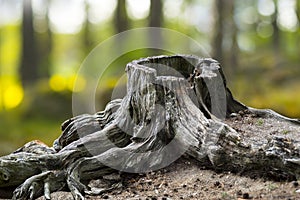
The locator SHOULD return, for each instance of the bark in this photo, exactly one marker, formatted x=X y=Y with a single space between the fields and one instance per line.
x=175 y=106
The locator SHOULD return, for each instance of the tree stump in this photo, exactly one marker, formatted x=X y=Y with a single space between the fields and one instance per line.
x=174 y=106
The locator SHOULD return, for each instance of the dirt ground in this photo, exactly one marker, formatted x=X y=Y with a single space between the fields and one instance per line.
x=185 y=179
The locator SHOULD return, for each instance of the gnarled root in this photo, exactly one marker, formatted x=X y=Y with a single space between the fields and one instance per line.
x=41 y=184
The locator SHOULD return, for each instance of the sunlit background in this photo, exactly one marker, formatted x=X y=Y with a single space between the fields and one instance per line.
x=44 y=42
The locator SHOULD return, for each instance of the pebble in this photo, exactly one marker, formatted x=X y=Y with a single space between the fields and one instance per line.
x=246 y=196
x=217 y=184
x=295 y=183
x=233 y=115
x=239 y=193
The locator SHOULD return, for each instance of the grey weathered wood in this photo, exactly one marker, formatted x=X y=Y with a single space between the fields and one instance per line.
x=167 y=112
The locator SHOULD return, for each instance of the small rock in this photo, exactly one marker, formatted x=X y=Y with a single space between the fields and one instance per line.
x=233 y=115
x=217 y=184
x=239 y=193
x=246 y=196
x=295 y=183
x=149 y=182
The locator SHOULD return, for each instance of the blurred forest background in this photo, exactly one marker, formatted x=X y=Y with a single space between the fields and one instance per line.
x=44 y=42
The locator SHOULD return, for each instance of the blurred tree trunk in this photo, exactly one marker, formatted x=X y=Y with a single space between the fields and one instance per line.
x=29 y=58
x=225 y=30
x=87 y=38
x=156 y=20
x=121 y=23
x=298 y=10
x=121 y=19
x=156 y=13
x=276 y=34
x=217 y=41
x=234 y=53
x=45 y=46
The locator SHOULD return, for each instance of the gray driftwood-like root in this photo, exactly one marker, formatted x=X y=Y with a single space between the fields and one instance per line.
x=175 y=105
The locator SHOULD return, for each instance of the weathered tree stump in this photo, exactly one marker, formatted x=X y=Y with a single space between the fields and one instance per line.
x=175 y=105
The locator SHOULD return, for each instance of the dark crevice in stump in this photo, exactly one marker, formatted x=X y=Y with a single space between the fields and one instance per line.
x=174 y=106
